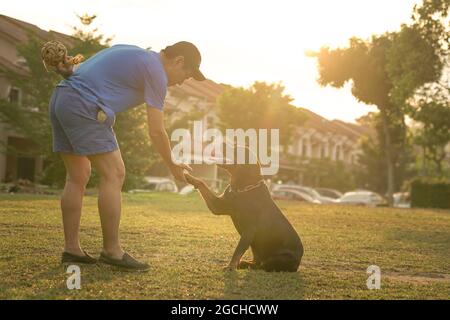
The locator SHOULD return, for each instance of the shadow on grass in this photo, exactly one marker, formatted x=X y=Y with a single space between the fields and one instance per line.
x=56 y=276
x=420 y=236
x=258 y=284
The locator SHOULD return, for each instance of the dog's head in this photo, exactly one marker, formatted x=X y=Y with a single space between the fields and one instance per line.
x=243 y=168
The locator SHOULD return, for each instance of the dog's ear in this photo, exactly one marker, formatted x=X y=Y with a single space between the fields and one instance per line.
x=226 y=145
x=248 y=173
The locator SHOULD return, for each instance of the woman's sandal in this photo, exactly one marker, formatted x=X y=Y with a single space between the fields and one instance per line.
x=127 y=263
x=73 y=258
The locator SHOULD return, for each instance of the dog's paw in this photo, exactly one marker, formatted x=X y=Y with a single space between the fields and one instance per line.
x=246 y=265
x=192 y=180
x=229 y=268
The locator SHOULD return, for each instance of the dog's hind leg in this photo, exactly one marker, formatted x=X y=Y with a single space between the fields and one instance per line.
x=281 y=263
x=249 y=265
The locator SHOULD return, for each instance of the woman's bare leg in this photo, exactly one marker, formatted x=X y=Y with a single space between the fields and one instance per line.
x=78 y=171
x=111 y=170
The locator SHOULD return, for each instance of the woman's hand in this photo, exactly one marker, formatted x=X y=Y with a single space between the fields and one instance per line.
x=64 y=69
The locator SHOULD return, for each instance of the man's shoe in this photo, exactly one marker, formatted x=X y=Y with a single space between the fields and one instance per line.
x=127 y=262
x=73 y=258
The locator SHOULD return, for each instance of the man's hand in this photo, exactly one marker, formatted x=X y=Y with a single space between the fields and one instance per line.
x=160 y=140
x=177 y=171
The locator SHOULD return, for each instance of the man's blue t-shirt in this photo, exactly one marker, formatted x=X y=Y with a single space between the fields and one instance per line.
x=121 y=77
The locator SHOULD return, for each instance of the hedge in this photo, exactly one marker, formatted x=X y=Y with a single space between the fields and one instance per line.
x=430 y=194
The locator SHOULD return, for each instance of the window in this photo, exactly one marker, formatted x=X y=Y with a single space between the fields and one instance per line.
x=326 y=193
x=14 y=95
x=150 y=186
x=209 y=121
x=354 y=197
x=21 y=62
x=299 y=197
x=304 y=149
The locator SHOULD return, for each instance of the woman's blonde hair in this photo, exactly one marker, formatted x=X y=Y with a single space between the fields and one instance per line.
x=54 y=52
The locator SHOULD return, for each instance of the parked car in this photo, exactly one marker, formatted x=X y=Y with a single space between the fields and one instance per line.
x=286 y=194
x=309 y=191
x=330 y=193
x=187 y=190
x=156 y=184
x=402 y=200
x=362 y=198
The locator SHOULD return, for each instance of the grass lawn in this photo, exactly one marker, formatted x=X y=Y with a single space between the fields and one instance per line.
x=187 y=247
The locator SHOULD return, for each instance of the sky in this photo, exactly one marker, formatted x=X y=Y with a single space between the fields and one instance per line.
x=241 y=41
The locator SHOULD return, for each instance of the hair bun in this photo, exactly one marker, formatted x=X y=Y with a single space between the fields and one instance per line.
x=54 y=52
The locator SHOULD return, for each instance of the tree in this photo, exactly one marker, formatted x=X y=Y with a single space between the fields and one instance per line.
x=412 y=61
x=419 y=52
x=433 y=112
x=371 y=170
x=432 y=20
x=387 y=70
x=364 y=64
x=429 y=104
x=262 y=106
x=330 y=174
x=31 y=117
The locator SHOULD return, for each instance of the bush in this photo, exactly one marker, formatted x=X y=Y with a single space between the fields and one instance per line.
x=430 y=194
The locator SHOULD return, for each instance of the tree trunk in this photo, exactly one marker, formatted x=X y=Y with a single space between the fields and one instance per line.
x=439 y=167
x=389 y=162
x=424 y=159
x=438 y=161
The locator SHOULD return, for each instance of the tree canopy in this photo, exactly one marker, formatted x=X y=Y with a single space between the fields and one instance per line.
x=262 y=106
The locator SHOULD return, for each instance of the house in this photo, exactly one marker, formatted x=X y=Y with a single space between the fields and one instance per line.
x=19 y=164
x=319 y=138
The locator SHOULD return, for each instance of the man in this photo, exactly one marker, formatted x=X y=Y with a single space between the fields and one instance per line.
x=82 y=113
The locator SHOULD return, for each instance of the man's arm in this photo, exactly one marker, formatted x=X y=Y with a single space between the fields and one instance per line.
x=159 y=138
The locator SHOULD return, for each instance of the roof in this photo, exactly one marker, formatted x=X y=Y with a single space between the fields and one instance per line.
x=208 y=89
x=355 y=128
x=17 y=30
x=322 y=124
x=8 y=65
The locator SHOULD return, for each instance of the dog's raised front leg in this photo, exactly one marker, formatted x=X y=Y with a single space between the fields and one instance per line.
x=217 y=205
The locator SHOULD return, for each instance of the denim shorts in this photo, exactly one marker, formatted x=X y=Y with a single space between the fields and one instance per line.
x=77 y=126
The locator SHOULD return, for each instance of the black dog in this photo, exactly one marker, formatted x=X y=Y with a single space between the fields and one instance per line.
x=262 y=226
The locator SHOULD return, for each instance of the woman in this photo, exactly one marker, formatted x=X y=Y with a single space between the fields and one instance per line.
x=82 y=112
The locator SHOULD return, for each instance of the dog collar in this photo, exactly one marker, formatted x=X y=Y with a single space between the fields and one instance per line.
x=250 y=187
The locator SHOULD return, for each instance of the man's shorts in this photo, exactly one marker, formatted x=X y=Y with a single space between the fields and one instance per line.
x=80 y=127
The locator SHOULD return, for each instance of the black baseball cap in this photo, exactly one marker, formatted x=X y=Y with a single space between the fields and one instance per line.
x=192 y=57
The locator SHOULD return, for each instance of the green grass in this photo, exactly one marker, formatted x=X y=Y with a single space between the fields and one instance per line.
x=187 y=247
